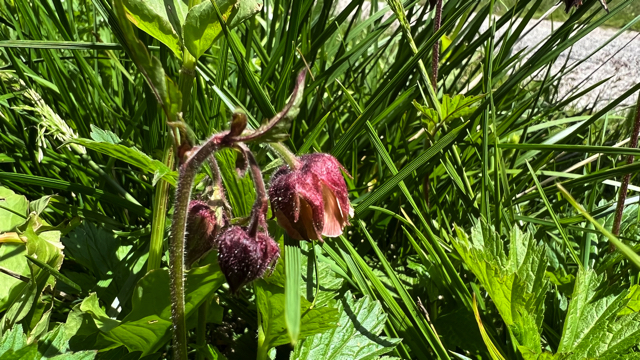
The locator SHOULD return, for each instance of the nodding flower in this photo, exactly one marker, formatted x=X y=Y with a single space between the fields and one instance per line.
x=311 y=200
x=203 y=226
x=244 y=258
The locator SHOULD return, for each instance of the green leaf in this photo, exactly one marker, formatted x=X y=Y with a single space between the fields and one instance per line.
x=12 y=258
x=130 y=155
x=13 y=210
x=271 y=300
x=52 y=345
x=356 y=337
x=515 y=282
x=201 y=27
x=452 y=108
x=106 y=136
x=146 y=327
x=593 y=327
x=292 y=256
x=164 y=89
x=245 y=9
x=156 y=19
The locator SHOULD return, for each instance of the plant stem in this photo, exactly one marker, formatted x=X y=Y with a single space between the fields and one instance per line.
x=263 y=346
x=160 y=204
x=259 y=211
x=435 y=57
x=201 y=330
x=185 y=80
x=622 y=195
x=187 y=174
x=286 y=155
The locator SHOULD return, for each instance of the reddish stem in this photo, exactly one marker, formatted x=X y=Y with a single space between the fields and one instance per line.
x=622 y=195
x=435 y=57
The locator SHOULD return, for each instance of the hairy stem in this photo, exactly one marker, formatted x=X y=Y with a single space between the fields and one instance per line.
x=435 y=57
x=622 y=195
x=187 y=174
x=259 y=211
x=217 y=181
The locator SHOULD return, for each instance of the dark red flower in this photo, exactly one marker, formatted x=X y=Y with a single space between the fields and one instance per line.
x=202 y=228
x=313 y=200
x=244 y=258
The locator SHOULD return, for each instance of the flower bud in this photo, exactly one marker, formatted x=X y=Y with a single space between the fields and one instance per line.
x=202 y=229
x=243 y=258
x=313 y=200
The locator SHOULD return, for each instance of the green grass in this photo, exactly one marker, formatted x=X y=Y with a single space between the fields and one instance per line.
x=452 y=247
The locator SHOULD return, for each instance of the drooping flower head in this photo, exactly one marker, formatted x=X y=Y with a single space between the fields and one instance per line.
x=244 y=258
x=311 y=200
x=203 y=226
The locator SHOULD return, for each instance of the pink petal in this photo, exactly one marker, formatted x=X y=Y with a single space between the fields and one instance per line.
x=333 y=220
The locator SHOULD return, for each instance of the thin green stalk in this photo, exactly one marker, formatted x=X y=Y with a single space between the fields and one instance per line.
x=185 y=80
x=160 y=207
x=287 y=156
x=201 y=329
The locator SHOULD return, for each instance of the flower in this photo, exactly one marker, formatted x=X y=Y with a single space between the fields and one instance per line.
x=311 y=200
x=202 y=230
x=244 y=258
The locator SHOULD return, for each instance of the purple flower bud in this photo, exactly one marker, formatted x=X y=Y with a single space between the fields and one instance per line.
x=202 y=229
x=244 y=258
x=313 y=200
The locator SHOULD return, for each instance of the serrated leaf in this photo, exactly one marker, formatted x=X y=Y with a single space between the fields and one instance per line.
x=452 y=108
x=201 y=27
x=52 y=345
x=271 y=299
x=14 y=209
x=131 y=156
x=156 y=19
x=593 y=327
x=356 y=337
x=515 y=282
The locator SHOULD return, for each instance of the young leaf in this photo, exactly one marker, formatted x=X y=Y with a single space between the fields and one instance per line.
x=13 y=209
x=452 y=107
x=271 y=300
x=201 y=27
x=594 y=328
x=515 y=282
x=356 y=337
x=155 y=18
x=131 y=155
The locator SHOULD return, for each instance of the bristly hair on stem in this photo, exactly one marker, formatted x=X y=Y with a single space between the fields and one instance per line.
x=435 y=57
x=622 y=195
x=261 y=205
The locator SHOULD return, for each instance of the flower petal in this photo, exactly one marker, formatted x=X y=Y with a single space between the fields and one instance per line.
x=333 y=220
